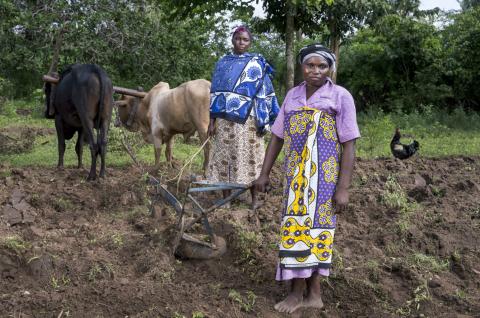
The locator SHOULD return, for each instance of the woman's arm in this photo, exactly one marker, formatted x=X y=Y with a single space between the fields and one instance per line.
x=271 y=154
x=340 y=198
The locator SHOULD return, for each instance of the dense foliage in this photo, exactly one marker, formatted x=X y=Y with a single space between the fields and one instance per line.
x=132 y=39
x=392 y=55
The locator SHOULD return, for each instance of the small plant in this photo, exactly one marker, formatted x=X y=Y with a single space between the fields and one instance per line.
x=247 y=242
x=117 y=240
x=62 y=204
x=373 y=269
x=56 y=283
x=421 y=294
x=394 y=197
x=198 y=314
x=436 y=191
x=16 y=244
x=392 y=248
x=245 y=304
x=100 y=270
x=93 y=273
x=427 y=263
x=177 y=315
x=337 y=260
x=461 y=294
x=35 y=200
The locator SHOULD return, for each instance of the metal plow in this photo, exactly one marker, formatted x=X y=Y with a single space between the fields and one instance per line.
x=197 y=246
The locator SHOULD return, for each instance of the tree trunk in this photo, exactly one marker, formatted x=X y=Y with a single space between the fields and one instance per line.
x=56 y=51
x=334 y=44
x=336 y=49
x=298 y=69
x=289 y=44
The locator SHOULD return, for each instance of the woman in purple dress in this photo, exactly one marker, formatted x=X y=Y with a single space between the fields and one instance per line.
x=317 y=127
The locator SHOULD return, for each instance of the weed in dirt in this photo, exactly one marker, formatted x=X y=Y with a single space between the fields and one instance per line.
x=461 y=294
x=35 y=200
x=198 y=314
x=245 y=303
x=421 y=294
x=59 y=282
x=337 y=262
x=15 y=244
x=438 y=192
x=177 y=315
x=392 y=248
x=163 y=274
x=427 y=263
x=373 y=269
x=394 y=197
x=62 y=204
x=93 y=273
x=246 y=243
x=99 y=271
x=117 y=240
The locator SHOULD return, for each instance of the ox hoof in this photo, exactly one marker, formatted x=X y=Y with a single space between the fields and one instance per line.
x=60 y=168
x=91 y=178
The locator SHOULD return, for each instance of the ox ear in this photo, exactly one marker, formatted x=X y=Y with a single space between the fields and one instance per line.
x=120 y=103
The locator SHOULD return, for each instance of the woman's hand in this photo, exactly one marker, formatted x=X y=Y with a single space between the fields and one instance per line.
x=211 y=128
x=262 y=184
x=340 y=200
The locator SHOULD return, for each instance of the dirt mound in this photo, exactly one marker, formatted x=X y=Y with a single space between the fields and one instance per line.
x=408 y=246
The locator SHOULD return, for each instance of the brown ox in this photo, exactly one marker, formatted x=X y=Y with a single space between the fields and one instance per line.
x=165 y=112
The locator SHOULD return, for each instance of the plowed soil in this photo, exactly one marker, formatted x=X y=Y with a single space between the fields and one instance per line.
x=407 y=246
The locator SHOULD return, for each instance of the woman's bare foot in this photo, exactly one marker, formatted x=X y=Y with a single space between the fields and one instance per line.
x=289 y=304
x=313 y=300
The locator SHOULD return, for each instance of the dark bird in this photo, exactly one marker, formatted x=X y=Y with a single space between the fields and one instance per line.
x=400 y=150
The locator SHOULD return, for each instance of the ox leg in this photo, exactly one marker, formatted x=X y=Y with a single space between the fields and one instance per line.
x=102 y=141
x=88 y=130
x=168 y=150
x=157 y=143
x=79 y=148
x=61 y=140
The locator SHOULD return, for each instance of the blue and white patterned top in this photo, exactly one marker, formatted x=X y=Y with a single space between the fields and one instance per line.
x=240 y=83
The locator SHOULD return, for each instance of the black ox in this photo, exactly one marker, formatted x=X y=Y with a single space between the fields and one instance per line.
x=81 y=101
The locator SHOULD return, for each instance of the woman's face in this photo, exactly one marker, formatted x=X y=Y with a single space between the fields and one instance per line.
x=315 y=71
x=241 y=42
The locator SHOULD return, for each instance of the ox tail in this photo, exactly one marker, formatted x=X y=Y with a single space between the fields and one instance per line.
x=101 y=79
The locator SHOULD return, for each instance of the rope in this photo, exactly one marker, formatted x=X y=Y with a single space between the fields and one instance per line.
x=189 y=162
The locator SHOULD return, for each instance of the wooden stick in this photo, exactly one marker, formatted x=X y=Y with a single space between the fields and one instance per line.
x=116 y=89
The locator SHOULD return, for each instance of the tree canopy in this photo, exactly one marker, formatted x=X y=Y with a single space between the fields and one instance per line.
x=392 y=54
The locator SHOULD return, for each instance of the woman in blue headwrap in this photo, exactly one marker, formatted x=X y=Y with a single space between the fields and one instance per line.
x=243 y=105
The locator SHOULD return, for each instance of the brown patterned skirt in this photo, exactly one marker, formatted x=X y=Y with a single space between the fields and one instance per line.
x=237 y=153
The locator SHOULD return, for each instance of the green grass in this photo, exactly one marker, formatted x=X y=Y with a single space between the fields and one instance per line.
x=9 y=117
x=45 y=152
x=439 y=133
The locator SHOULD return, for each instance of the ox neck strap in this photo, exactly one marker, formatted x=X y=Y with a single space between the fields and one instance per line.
x=133 y=112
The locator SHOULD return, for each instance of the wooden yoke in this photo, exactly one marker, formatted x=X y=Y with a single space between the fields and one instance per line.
x=116 y=89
